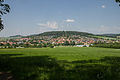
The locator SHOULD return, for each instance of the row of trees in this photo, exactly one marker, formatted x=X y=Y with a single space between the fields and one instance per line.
x=37 y=45
x=26 y=45
x=107 y=45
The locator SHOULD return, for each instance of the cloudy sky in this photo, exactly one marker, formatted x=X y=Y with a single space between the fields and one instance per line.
x=37 y=16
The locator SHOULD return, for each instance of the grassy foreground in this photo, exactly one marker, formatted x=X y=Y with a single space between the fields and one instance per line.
x=62 y=63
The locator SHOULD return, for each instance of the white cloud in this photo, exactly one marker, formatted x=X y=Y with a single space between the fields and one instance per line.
x=53 y=25
x=103 y=6
x=69 y=20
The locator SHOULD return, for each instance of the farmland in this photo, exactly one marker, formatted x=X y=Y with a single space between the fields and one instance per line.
x=61 y=63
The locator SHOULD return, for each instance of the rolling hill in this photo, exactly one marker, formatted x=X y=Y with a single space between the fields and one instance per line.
x=63 y=33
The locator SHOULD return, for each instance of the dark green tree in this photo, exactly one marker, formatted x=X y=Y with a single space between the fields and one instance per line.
x=118 y=1
x=51 y=45
x=4 y=9
x=66 y=43
x=39 y=46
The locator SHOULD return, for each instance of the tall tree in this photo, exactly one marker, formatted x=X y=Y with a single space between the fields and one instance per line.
x=118 y=1
x=4 y=9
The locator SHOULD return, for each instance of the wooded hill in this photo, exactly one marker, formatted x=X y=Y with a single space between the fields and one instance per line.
x=109 y=35
x=70 y=33
x=63 y=33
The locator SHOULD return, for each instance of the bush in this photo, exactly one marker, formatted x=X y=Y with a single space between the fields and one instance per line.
x=107 y=45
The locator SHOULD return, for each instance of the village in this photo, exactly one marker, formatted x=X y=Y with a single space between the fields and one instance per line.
x=50 y=41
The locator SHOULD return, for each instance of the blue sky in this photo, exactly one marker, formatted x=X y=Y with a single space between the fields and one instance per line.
x=37 y=16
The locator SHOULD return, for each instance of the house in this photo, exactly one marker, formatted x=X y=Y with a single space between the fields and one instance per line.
x=82 y=45
x=79 y=45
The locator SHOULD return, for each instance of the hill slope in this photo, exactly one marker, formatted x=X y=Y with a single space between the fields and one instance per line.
x=109 y=35
x=62 y=33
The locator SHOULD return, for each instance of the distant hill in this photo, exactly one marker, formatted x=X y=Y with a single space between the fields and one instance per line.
x=16 y=36
x=109 y=35
x=68 y=33
x=63 y=33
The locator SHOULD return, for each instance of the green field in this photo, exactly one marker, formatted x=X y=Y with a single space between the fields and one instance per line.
x=103 y=37
x=61 y=63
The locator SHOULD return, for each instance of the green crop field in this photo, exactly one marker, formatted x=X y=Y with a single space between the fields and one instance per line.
x=61 y=63
x=103 y=37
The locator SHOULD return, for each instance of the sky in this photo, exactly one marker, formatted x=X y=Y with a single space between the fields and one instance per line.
x=29 y=17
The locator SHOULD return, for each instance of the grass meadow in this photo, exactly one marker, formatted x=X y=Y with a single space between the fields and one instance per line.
x=61 y=63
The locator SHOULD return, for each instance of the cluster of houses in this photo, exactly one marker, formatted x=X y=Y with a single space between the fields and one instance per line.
x=77 y=41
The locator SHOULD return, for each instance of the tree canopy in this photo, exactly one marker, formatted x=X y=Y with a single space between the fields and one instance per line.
x=118 y=1
x=4 y=9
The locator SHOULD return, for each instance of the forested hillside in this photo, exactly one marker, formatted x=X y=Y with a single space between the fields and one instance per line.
x=63 y=33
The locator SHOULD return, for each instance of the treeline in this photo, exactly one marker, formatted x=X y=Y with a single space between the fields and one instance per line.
x=62 y=33
x=107 y=45
x=109 y=35
x=38 y=45
x=26 y=45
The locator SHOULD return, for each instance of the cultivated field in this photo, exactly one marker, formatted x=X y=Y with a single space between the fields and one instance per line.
x=61 y=63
